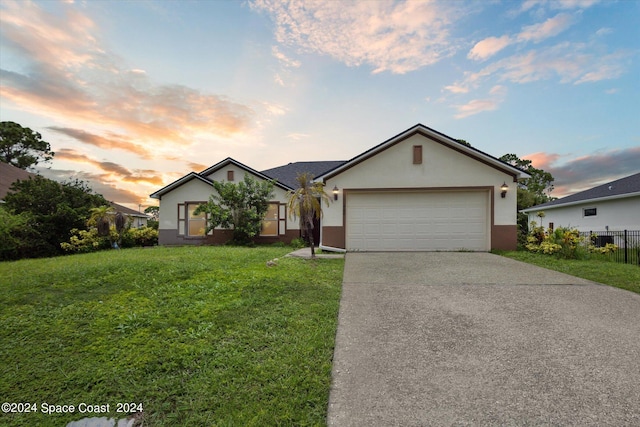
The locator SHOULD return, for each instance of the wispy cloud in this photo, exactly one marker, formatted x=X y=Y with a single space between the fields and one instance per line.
x=389 y=36
x=549 y=28
x=536 y=33
x=113 y=172
x=95 y=182
x=497 y=95
x=68 y=73
x=108 y=142
x=570 y=62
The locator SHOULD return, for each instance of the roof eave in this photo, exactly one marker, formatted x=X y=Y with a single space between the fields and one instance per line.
x=434 y=135
x=228 y=160
x=177 y=183
x=581 y=202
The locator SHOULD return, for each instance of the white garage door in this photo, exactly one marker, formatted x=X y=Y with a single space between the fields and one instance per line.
x=417 y=221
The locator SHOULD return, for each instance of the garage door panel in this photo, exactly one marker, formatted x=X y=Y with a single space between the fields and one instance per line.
x=417 y=221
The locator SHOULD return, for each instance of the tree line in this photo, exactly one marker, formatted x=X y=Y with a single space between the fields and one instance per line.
x=38 y=215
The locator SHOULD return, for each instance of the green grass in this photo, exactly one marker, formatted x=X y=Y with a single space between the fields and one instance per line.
x=201 y=336
x=598 y=269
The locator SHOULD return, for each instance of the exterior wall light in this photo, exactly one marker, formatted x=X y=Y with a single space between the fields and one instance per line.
x=503 y=189
x=335 y=192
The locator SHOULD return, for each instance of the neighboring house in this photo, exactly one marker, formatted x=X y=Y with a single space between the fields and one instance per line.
x=8 y=175
x=614 y=206
x=137 y=219
x=420 y=190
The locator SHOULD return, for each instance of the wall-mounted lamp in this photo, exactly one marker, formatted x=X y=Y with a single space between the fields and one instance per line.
x=503 y=189
x=335 y=192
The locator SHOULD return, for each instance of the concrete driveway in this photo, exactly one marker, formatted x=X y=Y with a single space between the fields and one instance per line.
x=430 y=339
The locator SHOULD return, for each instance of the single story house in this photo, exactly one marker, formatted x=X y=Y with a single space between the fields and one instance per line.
x=137 y=219
x=417 y=191
x=614 y=206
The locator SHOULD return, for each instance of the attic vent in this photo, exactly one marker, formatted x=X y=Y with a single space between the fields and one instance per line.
x=229 y=176
x=417 y=154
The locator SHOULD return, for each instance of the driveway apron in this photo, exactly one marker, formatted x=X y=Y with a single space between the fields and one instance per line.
x=477 y=339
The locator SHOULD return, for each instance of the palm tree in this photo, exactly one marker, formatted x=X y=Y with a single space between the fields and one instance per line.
x=306 y=203
x=101 y=218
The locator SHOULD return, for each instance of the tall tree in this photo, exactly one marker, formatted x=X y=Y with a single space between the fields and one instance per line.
x=306 y=203
x=240 y=206
x=535 y=190
x=22 y=147
x=531 y=191
x=53 y=208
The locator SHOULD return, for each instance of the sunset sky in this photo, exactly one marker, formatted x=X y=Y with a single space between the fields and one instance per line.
x=134 y=94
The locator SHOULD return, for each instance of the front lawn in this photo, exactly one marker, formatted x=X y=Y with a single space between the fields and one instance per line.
x=625 y=276
x=199 y=336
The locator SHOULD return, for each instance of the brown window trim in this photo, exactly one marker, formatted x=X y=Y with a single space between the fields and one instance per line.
x=183 y=209
x=276 y=220
x=229 y=175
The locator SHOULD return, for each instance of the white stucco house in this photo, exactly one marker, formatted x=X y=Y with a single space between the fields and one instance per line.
x=417 y=191
x=614 y=206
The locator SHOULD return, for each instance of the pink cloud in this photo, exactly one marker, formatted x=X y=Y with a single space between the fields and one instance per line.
x=489 y=47
x=549 y=28
x=389 y=36
x=70 y=75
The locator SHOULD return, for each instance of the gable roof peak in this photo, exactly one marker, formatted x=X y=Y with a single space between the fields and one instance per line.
x=434 y=135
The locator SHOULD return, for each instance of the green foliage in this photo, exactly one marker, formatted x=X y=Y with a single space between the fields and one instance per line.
x=22 y=147
x=565 y=243
x=531 y=191
x=144 y=236
x=53 y=209
x=202 y=336
x=298 y=243
x=17 y=236
x=306 y=203
x=154 y=211
x=240 y=206
x=83 y=241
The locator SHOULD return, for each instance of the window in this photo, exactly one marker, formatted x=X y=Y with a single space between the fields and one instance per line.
x=270 y=221
x=417 y=154
x=589 y=212
x=197 y=223
x=190 y=224
x=550 y=226
x=229 y=176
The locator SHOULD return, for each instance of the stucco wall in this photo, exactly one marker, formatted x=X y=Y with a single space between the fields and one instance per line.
x=196 y=190
x=192 y=191
x=617 y=214
x=442 y=167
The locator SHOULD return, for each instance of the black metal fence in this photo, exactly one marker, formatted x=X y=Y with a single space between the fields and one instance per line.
x=628 y=242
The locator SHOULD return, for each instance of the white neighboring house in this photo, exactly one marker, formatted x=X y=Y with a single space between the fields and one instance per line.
x=614 y=206
x=138 y=219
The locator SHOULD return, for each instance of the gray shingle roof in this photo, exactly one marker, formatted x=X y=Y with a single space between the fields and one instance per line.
x=287 y=174
x=619 y=187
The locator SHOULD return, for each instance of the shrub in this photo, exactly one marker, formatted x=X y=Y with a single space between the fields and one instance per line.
x=83 y=241
x=143 y=236
x=298 y=242
x=564 y=242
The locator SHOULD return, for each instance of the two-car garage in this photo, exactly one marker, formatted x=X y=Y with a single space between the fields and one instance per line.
x=419 y=220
